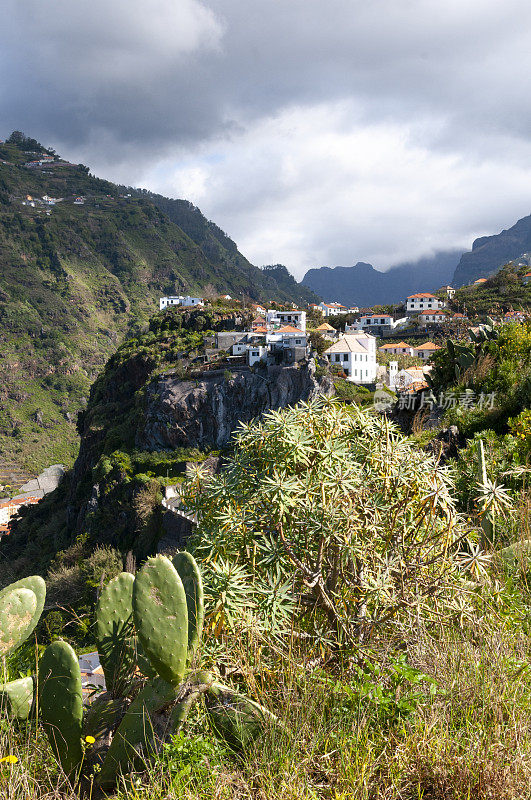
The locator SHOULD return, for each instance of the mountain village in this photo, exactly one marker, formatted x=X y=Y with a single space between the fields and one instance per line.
x=370 y=347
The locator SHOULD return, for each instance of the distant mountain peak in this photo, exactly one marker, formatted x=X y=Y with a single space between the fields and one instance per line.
x=364 y=285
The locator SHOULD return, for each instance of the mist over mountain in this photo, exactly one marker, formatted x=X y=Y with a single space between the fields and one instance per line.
x=363 y=285
x=489 y=253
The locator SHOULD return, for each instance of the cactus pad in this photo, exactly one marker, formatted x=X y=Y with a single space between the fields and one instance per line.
x=133 y=739
x=21 y=606
x=236 y=718
x=61 y=703
x=103 y=715
x=196 y=684
x=18 y=697
x=161 y=617
x=115 y=633
x=186 y=566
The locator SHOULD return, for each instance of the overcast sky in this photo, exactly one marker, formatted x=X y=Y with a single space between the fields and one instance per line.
x=315 y=132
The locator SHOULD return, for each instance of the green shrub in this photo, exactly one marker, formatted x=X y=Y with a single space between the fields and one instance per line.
x=328 y=506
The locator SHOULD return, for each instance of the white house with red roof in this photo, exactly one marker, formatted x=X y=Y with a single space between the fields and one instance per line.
x=332 y=309
x=431 y=316
x=288 y=335
x=527 y=278
x=294 y=317
x=397 y=349
x=426 y=350
x=369 y=320
x=423 y=301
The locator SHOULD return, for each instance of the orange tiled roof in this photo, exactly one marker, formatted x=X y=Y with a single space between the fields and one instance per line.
x=288 y=329
x=428 y=346
x=421 y=294
x=398 y=344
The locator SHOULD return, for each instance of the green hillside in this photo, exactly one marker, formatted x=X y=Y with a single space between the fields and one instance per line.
x=504 y=291
x=74 y=277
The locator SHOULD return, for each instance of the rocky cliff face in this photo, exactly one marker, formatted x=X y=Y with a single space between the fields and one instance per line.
x=206 y=412
x=489 y=253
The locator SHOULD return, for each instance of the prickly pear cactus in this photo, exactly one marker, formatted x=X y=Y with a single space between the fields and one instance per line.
x=161 y=617
x=21 y=606
x=16 y=697
x=236 y=718
x=131 y=744
x=103 y=715
x=61 y=703
x=186 y=566
x=115 y=634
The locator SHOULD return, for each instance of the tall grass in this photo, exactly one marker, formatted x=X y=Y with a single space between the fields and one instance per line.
x=470 y=738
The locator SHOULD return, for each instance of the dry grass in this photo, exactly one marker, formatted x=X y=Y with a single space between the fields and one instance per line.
x=470 y=741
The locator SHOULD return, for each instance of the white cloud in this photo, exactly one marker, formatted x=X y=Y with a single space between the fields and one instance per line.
x=311 y=187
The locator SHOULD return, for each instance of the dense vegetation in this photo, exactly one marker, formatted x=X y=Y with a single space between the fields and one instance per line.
x=129 y=482
x=345 y=591
x=504 y=291
x=75 y=278
x=370 y=590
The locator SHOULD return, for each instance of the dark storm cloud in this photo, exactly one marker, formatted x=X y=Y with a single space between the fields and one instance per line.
x=232 y=103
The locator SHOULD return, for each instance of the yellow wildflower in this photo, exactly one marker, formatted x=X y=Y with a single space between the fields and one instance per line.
x=8 y=760
x=90 y=739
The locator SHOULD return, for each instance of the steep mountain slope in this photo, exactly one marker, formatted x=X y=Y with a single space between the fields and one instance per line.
x=152 y=410
x=274 y=282
x=490 y=252
x=363 y=285
x=75 y=276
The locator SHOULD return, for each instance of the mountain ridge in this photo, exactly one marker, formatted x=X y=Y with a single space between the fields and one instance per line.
x=363 y=285
x=489 y=253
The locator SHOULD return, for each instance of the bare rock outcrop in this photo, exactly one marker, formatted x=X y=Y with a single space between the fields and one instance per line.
x=206 y=411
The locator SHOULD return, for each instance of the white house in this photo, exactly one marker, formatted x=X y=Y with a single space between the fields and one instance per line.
x=294 y=318
x=426 y=350
x=370 y=320
x=50 y=201
x=411 y=377
x=255 y=353
x=356 y=355
x=332 y=309
x=288 y=336
x=397 y=349
x=180 y=300
x=431 y=316
x=423 y=301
